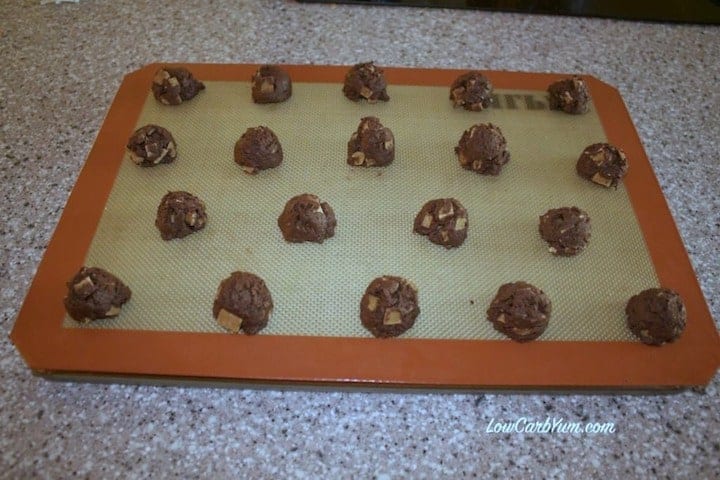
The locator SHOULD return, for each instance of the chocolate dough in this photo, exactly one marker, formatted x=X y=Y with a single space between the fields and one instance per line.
x=306 y=219
x=389 y=306
x=94 y=293
x=372 y=145
x=520 y=310
x=180 y=214
x=365 y=81
x=151 y=145
x=482 y=149
x=173 y=86
x=242 y=302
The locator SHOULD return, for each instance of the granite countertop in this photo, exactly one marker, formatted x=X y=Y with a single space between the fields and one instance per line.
x=63 y=63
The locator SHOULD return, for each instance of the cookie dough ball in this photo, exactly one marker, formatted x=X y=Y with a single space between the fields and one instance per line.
x=389 y=307
x=173 y=86
x=372 y=145
x=444 y=221
x=94 y=293
x=271 y=84
x=365 y=81
x=242 y=302
x=520 y=310
x=566 y=230
x=180 y=214
x=656 y=316
x=472 y=91
x=482 y=149
x=258 y=149
x=569 y=95
x=603 y=164
x=151 y=145
x=307 y=219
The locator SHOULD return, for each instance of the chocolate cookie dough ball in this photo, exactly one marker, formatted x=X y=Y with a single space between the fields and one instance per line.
x=173 y=86
x=307 y=219
x=389 y=306
x=151 y=145
x=372 y=145
x=482 y=149
x=566 y=230
x=656 y=315
x=365 y=81
x=603 y=164
x=520 y=310
x=258 y=149
x=94 y=293
x=444 y=221
x=472 y=91
x=243 y=302
x=180 y=214
x=569 y=95
x=271 y=84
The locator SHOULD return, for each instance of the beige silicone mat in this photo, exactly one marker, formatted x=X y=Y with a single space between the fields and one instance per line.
x=317 y=288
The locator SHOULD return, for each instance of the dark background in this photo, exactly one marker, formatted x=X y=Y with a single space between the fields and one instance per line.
x=684 y=11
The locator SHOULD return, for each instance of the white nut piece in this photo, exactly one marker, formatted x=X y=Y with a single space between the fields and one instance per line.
x=372 y=302
x=113 y=311
x=601 y=180
x=133 y=157
x=161 y=76
x=229 y=321
x=392 y=317
x=598 y=158
x=445 y=211
x=162 y=155
x=365 y=92
x=84 y=284
x=358 y=158
x=267 y=86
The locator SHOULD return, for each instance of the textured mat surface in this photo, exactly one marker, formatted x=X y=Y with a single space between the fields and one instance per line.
x=317 y=288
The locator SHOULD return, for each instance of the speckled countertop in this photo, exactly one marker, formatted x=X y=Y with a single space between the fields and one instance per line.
x=61 y=66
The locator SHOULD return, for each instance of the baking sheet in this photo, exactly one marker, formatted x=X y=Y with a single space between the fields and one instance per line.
x=316 y=288
x=176 y=344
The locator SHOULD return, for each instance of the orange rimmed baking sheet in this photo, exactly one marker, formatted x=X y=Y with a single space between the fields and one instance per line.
x=403 y=361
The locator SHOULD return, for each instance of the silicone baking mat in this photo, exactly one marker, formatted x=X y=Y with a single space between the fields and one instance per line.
x=317 y=288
